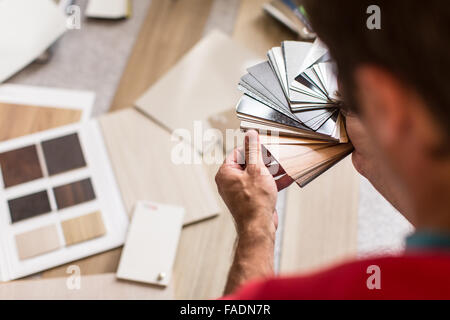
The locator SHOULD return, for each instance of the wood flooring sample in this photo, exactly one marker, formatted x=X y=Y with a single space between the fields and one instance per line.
x=74 y=193
x=63 y=154
x=83 y=228
x=20 y=166
x=202 y=84
x=93 y=287
x=29 y=206
x=37 y=242
x=141 y=156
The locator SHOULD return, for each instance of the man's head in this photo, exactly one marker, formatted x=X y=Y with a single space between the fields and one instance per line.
x=397 y=79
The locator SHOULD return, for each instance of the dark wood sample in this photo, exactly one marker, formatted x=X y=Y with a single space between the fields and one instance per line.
x=74 y=193
x=29 y=206
x=20 y=166
x=63 y=154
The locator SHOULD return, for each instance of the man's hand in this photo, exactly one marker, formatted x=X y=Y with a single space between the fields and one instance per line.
x=248 y=189
x=250 y=193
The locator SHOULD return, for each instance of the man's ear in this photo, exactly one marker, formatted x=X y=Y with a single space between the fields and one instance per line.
x=394 y=112
x=383 y=101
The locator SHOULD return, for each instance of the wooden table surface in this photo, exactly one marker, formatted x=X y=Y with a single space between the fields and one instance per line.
x=319 y=231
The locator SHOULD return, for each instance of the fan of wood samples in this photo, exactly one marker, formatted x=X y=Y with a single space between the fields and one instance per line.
x=293 y=101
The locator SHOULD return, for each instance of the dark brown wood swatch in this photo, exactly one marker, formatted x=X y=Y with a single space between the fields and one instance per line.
x=63 y=154
x=29 y=206
x=74 y=193
x=20 y=166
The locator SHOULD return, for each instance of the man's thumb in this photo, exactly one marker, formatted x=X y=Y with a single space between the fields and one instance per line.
x=252 y=148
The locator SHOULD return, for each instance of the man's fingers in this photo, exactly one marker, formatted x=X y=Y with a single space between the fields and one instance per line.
x=236 y=158
x=252 y=148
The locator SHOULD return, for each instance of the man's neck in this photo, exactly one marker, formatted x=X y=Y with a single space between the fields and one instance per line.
x=432 y=200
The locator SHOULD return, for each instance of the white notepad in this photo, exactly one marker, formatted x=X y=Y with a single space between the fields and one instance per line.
x=27 y=29
x=151 y=245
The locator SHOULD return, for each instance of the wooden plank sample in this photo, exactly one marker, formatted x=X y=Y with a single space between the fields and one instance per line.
x=74 y=193
x=36 y=242
x=105 y=262
x=29 y=206
x=201 y=85
x=162 y=41
x=63 y=154
x=92 y=287
x=19 y=120
x=320 y=225
x=257 y=30
x=83 y=228
x=205 y=254
x=298 y=160
x=142 y=159
x=20 y=165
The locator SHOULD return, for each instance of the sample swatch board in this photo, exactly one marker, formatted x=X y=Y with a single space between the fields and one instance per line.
x=27 y=29
x=59 y=200
x=293 y=101
x=200 y=86
x=150 y=249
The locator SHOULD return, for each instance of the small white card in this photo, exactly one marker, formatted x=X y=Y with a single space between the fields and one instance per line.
x=151 y=245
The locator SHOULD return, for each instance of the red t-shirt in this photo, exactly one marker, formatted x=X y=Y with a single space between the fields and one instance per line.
x=409 y=276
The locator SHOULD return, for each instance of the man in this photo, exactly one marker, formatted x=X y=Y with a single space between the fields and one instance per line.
x=396 y=88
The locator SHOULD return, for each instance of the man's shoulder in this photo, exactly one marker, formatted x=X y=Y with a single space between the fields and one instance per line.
x=409 y=276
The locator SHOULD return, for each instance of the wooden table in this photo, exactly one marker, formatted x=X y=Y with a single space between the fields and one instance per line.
x=318 y=232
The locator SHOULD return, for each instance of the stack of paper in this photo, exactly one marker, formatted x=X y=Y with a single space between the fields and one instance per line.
x=292 y=100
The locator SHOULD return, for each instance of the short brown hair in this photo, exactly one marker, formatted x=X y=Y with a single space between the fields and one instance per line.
x=413 y=43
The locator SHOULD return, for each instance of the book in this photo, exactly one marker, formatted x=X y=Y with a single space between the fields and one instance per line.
x=108 y=9
x=293 y=100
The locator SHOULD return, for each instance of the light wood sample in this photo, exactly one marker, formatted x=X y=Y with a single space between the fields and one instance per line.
x=205 y=254
x=141 y=156
x=201 y=85
x=162 y=41
x=298 y=160
x=18 y=120
x=92 y=287
x=257 y=30
x=83 y=228
x=320 y=225
x=37 y=242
